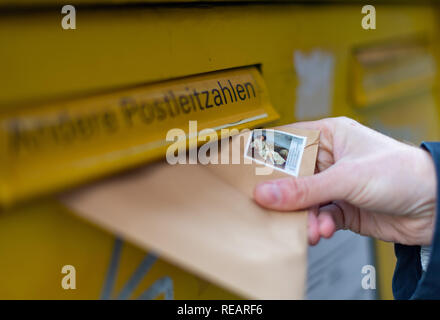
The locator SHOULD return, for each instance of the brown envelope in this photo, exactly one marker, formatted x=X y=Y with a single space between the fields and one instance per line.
x=204 y=219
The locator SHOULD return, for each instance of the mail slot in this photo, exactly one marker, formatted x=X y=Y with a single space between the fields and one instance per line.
x=72 y=141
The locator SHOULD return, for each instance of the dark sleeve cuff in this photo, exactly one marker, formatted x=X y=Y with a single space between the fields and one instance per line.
x=409 y=282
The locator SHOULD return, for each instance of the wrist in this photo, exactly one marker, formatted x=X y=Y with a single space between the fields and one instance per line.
x=425 y=169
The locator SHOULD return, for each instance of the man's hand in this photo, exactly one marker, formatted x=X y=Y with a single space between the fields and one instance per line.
x=365 y=181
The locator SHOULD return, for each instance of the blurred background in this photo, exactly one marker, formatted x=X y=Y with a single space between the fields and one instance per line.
x=316 y=60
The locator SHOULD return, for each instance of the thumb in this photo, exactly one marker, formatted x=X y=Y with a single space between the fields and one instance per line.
x=290 y=194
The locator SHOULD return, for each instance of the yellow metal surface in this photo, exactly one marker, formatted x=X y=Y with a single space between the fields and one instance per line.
x=122 y=47
x=38 y=3
x=386 y=260
x=391 y=70
x=38 y=239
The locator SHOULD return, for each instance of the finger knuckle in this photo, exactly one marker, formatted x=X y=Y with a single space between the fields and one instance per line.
x=299 y=192
x=343 y=120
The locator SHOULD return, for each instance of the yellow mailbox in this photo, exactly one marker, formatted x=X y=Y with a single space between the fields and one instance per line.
x=312 y=60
